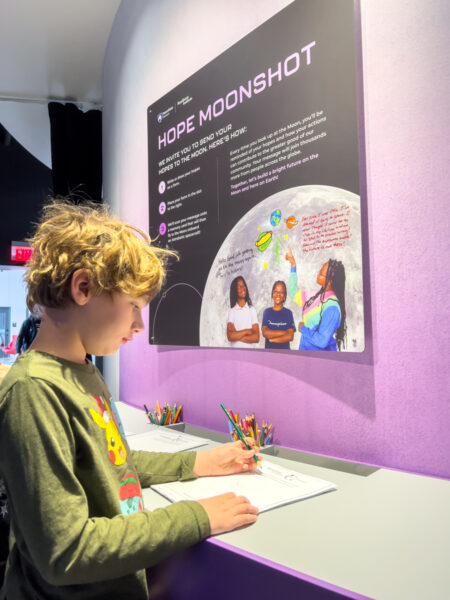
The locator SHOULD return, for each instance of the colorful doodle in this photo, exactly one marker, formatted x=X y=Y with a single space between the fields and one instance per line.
x=277 y=250
x=263 y=240
x=275 y=217
x=291 y=222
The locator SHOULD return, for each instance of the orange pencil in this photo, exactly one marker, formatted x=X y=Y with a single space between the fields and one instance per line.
x=177 y=414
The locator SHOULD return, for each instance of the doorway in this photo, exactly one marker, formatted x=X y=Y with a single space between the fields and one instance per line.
x=5 y=326
x=13 y=310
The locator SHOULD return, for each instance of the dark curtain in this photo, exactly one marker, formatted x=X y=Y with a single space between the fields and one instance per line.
x=25 y=184
x=76 y=141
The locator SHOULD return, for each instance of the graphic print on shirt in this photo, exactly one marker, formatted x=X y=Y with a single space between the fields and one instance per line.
x=116 y=449
x=311 y=314
x=131 y=500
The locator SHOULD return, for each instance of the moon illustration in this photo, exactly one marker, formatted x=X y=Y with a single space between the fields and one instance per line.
x=329 y=226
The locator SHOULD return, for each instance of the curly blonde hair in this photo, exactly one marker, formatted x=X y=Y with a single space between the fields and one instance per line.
x=118 y=256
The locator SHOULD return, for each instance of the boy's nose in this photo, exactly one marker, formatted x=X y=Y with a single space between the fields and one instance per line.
x=138 y=324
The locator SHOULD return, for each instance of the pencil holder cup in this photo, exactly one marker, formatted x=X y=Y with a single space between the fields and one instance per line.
x=180 y=426
x=269 y=450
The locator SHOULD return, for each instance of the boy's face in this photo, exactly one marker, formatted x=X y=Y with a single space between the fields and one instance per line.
x=110 y=320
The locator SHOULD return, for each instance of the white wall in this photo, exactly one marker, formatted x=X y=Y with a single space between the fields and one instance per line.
x=29 y=124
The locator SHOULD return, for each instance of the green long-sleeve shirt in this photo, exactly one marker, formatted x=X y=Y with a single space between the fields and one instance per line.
x=77 y=519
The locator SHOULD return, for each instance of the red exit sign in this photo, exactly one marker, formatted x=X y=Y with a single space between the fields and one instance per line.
x=20 y=252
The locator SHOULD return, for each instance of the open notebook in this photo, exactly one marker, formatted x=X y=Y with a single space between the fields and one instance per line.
x=268 y=487
x=162 y=439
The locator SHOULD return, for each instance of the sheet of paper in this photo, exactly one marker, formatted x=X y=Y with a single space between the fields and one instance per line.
x=134 y=420
x=163 y=439
x=270 y=486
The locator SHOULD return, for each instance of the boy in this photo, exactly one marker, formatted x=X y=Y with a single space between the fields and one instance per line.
x=77 y=520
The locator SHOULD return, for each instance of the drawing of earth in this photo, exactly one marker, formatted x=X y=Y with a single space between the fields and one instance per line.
x=328 y=226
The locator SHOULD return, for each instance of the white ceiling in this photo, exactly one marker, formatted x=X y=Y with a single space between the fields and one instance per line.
x=54 y=49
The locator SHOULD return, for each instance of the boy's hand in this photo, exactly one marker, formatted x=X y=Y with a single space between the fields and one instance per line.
x=226 y=459
x=228 y=511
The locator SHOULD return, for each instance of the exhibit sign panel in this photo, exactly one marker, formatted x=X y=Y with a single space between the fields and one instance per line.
x=254 y=180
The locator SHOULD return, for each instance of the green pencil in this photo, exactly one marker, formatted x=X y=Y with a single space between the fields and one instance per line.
x=238 y=431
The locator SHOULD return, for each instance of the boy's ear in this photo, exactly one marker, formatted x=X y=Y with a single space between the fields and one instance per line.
x=80 y=287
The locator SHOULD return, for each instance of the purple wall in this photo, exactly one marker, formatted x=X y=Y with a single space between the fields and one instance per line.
x=390 y=405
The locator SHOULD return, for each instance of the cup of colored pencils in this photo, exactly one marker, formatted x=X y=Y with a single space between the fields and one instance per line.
x=262 y=435
x=168 y=415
